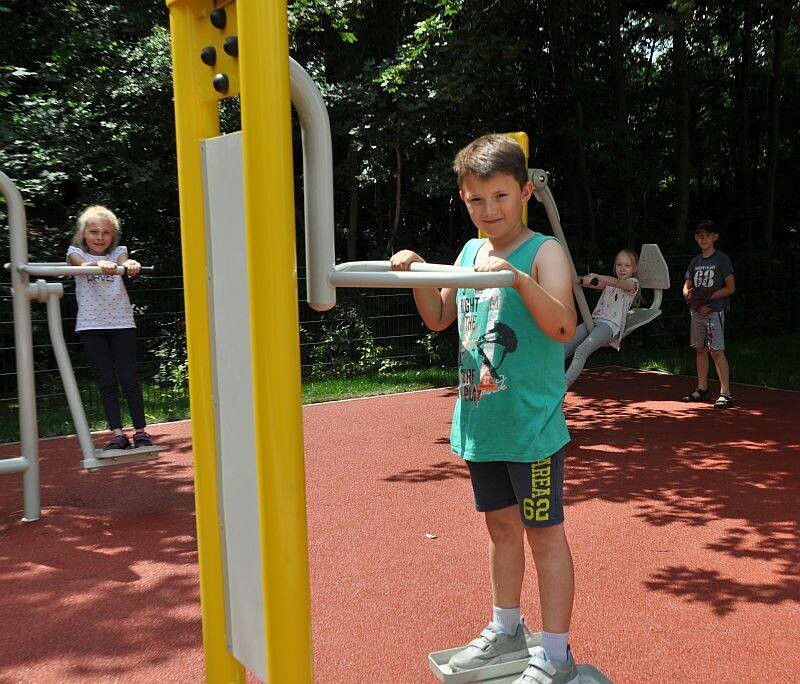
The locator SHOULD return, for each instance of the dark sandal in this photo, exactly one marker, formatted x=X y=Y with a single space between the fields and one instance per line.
x=724 y=401
x=696 y=395
x=141 y=439
x=118 y=442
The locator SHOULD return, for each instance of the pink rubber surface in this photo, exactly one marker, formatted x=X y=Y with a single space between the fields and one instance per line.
x=684 y=523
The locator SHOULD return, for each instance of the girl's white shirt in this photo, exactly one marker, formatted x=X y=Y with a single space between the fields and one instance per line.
x=612 y=309
x=103 y=302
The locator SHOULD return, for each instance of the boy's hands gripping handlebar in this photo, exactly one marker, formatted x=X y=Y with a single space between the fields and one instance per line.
x=402 y=260
x=495 y=264
x=405 y=258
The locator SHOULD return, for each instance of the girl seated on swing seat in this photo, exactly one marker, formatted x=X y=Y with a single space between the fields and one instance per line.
x=610 y=314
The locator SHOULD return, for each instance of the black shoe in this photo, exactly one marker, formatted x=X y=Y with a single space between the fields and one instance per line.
x=141 y=439
x=695 y=395
x=119 y=442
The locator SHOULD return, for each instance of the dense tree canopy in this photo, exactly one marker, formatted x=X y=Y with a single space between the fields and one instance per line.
x=649 y=115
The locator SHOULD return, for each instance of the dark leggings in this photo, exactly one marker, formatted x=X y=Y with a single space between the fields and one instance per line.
x=112 y=355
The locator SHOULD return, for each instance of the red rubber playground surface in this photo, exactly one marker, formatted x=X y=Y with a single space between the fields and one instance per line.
x=684 y=523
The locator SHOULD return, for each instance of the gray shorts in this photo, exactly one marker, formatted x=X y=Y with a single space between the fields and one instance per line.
x=536 y=488
x=707 y=330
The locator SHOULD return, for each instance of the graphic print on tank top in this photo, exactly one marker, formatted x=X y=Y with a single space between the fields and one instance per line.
x=481 y=356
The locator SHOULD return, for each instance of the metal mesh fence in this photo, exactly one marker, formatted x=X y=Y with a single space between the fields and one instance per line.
x=367 y=332
x=158 y=306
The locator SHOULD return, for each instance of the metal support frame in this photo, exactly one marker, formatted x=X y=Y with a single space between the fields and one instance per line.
x=23 y=293
x=541 y=191
x=28 y=461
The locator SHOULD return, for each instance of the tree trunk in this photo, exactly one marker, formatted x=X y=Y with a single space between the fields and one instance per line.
x=571 y=208
x=352 y=223
x=621 y=142
x=451 y=223
x=580 y=131
x=380 y=224
x=773 y=121
x=397 y=197
x=741 y=98
x=682 y=119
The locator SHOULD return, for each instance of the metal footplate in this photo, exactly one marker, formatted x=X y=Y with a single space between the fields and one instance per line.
x=501 y=673
x=108 y=457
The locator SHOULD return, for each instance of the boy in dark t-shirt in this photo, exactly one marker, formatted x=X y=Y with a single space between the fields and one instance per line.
x=709 y=273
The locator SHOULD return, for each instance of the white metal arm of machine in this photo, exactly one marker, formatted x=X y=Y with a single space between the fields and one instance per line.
x=323 y=276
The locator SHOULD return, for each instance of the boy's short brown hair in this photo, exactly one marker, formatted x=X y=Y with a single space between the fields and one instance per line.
x=491 y=154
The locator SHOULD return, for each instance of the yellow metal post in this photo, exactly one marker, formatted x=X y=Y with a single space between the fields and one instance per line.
x=521 y=138
x=196 y=118
x=275 y=338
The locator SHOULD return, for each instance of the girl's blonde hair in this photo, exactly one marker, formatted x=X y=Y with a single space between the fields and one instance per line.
x=637 y=300
x=97 y=211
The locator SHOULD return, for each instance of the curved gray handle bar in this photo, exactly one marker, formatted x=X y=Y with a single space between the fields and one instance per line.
x=379 y=274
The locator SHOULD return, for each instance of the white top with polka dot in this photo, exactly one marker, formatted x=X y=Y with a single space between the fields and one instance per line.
x=103 y=302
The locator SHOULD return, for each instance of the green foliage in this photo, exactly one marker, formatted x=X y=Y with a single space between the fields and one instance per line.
x=168 y=356
x=343 y=346
x=173 y=368
x=87 y=118
x=438 y=349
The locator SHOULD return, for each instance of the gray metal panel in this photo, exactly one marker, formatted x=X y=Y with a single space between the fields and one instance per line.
x=653 y=271
x=229 y=303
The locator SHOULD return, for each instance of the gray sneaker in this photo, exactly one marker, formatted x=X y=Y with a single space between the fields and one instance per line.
x=491 y=647
x=540 y=670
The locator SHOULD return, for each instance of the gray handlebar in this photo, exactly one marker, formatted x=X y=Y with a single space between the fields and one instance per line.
x=379 y=274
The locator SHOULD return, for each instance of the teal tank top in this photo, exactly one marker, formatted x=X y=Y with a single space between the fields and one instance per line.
x=511 y=375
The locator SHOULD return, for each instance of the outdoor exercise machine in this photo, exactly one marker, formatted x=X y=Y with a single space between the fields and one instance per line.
x=237 y=211
x=23 y=293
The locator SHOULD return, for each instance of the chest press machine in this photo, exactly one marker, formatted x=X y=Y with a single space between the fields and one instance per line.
x=246 y=415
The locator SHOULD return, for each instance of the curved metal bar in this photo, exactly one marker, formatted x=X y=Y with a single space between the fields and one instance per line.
x=317 y=186
x=65 y=369
x=542 y=193
x=23 y=350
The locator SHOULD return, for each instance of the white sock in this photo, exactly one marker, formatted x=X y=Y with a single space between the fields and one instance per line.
x=555 y=646
x=507 y=619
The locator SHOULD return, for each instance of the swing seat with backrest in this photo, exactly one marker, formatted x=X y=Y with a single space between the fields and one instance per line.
x=653 y=275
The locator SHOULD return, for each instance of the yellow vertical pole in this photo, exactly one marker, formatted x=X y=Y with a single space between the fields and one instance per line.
x=521 y=138
x=269 y=215
x=197 y=118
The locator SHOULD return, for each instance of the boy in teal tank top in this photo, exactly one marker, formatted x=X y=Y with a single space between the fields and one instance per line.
x=508 y=422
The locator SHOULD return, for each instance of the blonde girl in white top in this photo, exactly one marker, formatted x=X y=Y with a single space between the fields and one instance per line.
x=610 y=314
x=105 y=320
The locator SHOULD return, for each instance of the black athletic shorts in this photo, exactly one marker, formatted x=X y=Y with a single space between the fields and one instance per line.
x=536 y=488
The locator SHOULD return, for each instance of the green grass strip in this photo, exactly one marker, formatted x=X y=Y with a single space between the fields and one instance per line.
x=764 y=362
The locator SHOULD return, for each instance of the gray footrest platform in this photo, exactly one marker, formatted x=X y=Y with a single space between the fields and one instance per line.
x=110 y=457
x=502 y=673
